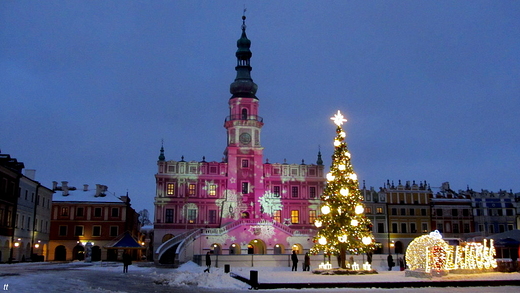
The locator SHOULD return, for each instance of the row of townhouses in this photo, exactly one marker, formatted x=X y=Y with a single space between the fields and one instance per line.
x=62 y=223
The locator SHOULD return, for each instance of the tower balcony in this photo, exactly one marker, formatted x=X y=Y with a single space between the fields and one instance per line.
x=244 y=117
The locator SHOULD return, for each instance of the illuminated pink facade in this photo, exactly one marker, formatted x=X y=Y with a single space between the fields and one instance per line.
x=242 y=204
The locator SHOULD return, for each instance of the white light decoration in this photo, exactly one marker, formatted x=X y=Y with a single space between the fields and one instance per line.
x=339 y=210
x=341 y=167
x=367 y=266
x=355 y=266
x=325 y=209
x=337 y=143
x=338 y=119
x=344 y=191
x=359 y=209
x=322 y=240
x=318 y=223
x=342 y=238
x=330 y=177
x=366 y=240
x=353 y=176
x=342 y=134
x=354 y=223
x=347 y=154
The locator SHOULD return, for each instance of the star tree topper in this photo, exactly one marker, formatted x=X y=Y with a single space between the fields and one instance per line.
x=338 y=119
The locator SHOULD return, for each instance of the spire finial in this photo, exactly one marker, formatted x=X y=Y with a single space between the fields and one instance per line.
x=161 y=155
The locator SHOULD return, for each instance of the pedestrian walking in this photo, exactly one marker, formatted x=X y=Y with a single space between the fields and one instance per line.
x=390 y=262
x=208 y=262
x=127 y=260
x=294 y=259
x=307 y=262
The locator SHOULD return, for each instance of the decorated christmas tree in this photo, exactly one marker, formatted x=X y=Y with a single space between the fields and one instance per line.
x=342 y=225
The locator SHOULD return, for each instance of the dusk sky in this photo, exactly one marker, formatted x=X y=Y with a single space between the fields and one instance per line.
x=431 y=89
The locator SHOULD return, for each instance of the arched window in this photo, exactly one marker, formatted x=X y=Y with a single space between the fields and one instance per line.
x=244 y=114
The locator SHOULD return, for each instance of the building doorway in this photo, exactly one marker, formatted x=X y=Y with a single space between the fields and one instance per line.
x=60 y=253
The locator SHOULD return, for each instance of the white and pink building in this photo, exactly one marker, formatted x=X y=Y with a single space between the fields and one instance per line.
x=241 y=205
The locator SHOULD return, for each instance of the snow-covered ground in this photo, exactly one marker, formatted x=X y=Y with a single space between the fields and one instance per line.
x=108 y=277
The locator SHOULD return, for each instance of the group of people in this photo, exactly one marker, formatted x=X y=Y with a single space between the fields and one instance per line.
x=306 y=262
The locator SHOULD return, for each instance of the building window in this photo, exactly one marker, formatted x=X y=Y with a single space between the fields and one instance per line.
x=379 y=210
x=394 y=212
x=170 y=189
x=368 y=210
x=455 y=228
x=394 y=228
x=403 y=212
x=78 y=231
x=438 y=212
x=276 y=191
x=245 y=163
x=509 y=212
x=501 y=228
x=115 y=213
x=212 y=190
x=480 y=228
x=491 y=229
x=454 y=212
x=423 y=212
x=412 y=212
x=440 y=227
x=312 y=192
x=295 y=216
x=312 y=216
x=96 y=231
x=466 y=228
x=191 y=189
x=294 y=191
x=380 y=227
x=63 y=231
x=168 y=217
x=509 y=227
x=277 y=217
x=404 y=228
x=97 y=212
x=413 y=229
x=28 y=223
x=465 y=212
x=114 y=231
x=192 y=216
x=212 y=216
x=245 y=187
x=424 y=227
x=64 y=211
x=79 y=212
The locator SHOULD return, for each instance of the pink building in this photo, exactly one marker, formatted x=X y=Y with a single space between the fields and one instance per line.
x=240 y=205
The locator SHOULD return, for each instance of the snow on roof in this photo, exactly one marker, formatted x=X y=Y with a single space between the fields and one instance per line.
x=84 y=196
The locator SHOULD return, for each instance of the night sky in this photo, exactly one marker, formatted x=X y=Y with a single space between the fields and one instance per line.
x=89 y=89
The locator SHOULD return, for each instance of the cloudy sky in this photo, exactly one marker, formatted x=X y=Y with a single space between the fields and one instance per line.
x=88 y=89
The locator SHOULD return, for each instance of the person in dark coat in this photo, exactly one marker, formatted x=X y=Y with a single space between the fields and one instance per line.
x=208 y=262
x=294 y=259
x=127 y=260
x=390 y=262
x=307 y=262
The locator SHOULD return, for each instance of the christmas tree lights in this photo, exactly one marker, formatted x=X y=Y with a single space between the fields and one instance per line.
x=343 y=226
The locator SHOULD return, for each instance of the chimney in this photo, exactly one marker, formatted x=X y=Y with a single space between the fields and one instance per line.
x=30 y=173
x=65 y=188
x=85 y=187
x=54 y=185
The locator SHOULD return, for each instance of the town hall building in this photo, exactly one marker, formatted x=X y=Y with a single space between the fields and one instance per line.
x=243 y=204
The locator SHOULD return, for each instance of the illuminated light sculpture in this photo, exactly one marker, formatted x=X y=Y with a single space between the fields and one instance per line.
x=359 y=209
x=322 y=241
x=429 y=253
x=342 y=238
x=318 y=223
x=344 y=191
x=341 y=167
x=330 y=177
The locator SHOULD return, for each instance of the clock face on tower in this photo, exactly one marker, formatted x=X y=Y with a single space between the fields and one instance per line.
x=245 y=138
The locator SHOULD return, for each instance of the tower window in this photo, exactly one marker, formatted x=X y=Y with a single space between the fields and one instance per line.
x=244 y=114
x=191 y=189
x=170 y=189
x=212 y=190
x=276 y=191
x=245 y=187
x=245 y=163
x=168 y=216
x=277 y=217
x=294 y=191
x=312 y=216
x=312 y=192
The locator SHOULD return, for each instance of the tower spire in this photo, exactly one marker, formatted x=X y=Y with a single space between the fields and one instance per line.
x=161 y=156
x=243 y=86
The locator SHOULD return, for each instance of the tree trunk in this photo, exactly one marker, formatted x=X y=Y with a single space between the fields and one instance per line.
x=343 y=257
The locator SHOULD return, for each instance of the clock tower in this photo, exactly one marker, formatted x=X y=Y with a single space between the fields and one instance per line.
x=244 y=153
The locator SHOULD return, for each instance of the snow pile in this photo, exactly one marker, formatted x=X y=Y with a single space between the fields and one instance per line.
x=191 y=274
